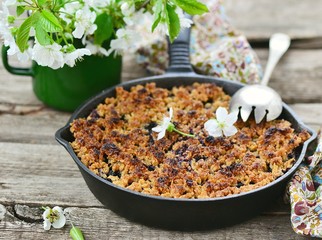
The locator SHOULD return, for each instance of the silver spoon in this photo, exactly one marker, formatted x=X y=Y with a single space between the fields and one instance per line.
x=263 y=99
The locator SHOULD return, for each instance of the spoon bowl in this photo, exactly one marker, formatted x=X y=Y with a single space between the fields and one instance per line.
x=264 y=100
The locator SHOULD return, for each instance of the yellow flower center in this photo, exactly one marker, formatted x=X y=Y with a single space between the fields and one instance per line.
x=53 y=215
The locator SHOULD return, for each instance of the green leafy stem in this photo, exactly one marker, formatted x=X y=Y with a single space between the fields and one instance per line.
x=172 y=128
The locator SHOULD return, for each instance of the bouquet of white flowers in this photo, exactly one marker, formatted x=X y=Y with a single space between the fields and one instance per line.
x=58 y=32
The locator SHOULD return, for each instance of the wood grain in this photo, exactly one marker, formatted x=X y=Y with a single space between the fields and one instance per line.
x=298 y=75
x=259 y=19
x=98 y=223
x=41 y=174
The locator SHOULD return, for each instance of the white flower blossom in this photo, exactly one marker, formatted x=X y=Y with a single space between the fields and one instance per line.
x=68 y=11
x=128 y=11
x=21 y=56
x=4 y=26
x=50 y=55
x=84 y=24
x=71 y=58
x=96 y=49
x=98 y=3
x=6 y=36
x=53 y=217
x=223 y=125
x=162 y=29
x=8 y=39
x=162 y=128
x=126 y=40
x=184 y=22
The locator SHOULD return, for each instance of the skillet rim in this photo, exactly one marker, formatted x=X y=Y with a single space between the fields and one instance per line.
x=101 y=96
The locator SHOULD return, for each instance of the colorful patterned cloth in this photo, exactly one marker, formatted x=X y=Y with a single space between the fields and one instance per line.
x=305 y=193
x=216 y=49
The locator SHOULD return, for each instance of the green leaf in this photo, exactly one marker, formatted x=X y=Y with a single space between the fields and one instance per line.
x=41 y=35
x=173 y=22
x=76 y=233
x=41 y=2
x=23 y=33
x=20 y=10
x=104 y=28
x=192 y=7
x=156 y=22
x=157 y=14
x=49 y=22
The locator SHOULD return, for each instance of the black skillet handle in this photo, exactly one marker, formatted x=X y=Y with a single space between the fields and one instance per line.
x=179 y=53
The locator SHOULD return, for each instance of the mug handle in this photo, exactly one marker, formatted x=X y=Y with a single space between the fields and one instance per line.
x=14 y=70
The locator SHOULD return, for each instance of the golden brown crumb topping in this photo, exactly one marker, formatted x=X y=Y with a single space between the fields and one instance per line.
x=117 y=143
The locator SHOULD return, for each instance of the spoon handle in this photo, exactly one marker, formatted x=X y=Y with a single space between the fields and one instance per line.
x=278 y=45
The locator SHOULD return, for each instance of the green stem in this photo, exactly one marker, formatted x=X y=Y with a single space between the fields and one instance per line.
x=28 y=3
x=184 y=134
x=144 y=4
x=66 y=13
x=64 y=39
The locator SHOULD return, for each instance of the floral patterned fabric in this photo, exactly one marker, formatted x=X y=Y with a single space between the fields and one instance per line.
x=216 y=49
x=305 y=191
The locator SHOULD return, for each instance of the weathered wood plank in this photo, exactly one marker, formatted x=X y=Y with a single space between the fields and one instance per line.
x=311 y=114
x=38 y=126
x=99 y=223
x=259 y=19
x=298 y=76
x=41 y=174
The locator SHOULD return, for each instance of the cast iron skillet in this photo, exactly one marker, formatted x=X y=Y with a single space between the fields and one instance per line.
x=181 y=214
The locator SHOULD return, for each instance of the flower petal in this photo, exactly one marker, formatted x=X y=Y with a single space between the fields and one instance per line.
x=157 y=129
x=170 y=113
x=211 y=124
x=231 y=118
x=216 y=132
x=60 y=222
x=213 y=128
x=221 y=114
x=59 y=209
x=161 y=134
x=165 y=123
x=79 y=31
x=47 y=224
x=229 y=131
x=46 y=213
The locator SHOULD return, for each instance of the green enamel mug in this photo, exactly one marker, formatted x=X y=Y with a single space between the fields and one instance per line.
x=66 y=88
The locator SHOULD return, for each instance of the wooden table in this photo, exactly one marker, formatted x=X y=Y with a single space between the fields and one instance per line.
x=35 y=171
